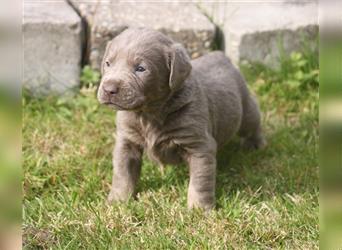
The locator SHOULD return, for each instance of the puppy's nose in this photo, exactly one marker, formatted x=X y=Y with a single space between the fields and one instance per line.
x=111 y=88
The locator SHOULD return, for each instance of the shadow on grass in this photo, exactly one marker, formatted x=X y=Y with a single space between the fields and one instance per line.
x=232 y=164
x=288 y=164
x=178 y=176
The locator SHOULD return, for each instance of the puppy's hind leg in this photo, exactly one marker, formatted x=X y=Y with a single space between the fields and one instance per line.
x=250 y=131
x=254 y=141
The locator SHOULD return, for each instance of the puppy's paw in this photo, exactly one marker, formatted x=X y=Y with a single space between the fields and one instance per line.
x=253 y=143
x=207 y=207
x=114 y=196
x=200 y=201
x=111 y=198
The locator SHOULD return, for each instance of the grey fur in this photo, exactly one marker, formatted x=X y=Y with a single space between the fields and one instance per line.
x=175 y=111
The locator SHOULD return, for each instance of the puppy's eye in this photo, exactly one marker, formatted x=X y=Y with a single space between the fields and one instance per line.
x=107 y=64
x=140 y=69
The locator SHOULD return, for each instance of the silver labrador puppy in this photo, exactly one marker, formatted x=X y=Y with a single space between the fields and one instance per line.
x=174 y=109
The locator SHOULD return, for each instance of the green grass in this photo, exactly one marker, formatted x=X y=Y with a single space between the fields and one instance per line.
x=266 y=199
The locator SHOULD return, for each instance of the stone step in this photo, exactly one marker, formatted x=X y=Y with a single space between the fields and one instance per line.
x=181 y=21
x=52 y=47
x=255 y=31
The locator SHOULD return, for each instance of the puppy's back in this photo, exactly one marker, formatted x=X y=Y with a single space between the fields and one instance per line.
x=226 y=91
x=218 y=69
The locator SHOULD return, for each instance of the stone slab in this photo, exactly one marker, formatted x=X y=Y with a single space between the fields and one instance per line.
x=257 y=31
x=52 y=47
x=181 y=21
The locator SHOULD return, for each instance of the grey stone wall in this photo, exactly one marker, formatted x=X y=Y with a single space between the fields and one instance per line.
x=58 y=34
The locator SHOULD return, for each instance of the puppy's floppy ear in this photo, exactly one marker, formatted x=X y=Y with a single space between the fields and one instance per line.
x=105 y=56
x=180 y=66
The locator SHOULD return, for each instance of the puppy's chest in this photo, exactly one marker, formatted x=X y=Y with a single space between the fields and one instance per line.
x=159 y=144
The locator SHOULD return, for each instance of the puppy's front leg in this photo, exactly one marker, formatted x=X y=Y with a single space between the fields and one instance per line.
x=127 y=166
x=201 y=192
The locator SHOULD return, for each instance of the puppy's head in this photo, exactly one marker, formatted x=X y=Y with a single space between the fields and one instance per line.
x=141 y=68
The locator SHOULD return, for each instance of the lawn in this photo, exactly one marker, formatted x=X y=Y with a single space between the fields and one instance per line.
x=266 y=199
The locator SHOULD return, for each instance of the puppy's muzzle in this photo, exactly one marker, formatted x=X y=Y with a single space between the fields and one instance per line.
x=111 y=87
x=119 y=95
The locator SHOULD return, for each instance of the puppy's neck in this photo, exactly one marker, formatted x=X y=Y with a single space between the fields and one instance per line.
x=159 y=111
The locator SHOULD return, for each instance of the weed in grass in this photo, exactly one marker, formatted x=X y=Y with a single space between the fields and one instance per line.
x=89 y=77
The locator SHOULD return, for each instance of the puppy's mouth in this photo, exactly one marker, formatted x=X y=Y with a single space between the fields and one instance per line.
x=113 y=105
x=135 y=105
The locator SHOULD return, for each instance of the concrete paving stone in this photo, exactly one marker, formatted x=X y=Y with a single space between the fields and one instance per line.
x=52 y=33
x=257 y=31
